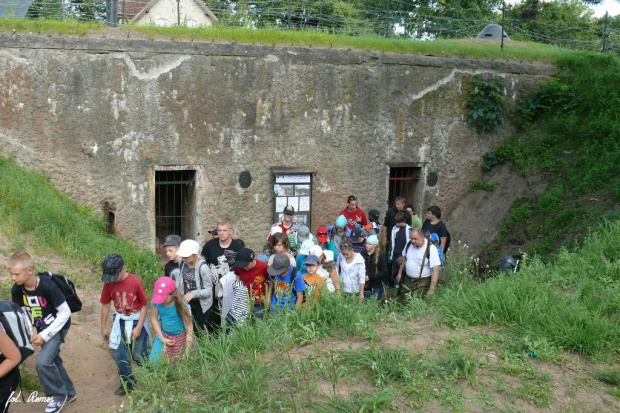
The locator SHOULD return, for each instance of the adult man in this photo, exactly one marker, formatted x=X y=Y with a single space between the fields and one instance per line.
x=220 y=255
x=353 y=213
x=421 y=265
x=287 y=222
x=433 y=224
x=253 y=274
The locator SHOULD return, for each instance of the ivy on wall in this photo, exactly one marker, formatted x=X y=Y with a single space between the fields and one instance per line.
x=486 y=103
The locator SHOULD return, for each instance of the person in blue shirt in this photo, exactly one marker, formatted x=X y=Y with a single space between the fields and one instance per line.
x=286 y=289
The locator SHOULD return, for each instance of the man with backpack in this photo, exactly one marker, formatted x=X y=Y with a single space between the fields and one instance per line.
x=51 y=316
x=433 y=224
x=421 y=264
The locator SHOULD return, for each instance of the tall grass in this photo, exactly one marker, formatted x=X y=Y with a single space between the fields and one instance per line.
x=32 y=210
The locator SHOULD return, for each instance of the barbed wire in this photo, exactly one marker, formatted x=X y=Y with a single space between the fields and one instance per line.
x=389 y=18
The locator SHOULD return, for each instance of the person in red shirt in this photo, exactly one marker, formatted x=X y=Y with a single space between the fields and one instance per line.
x=354 y=214
x=253 y=274
x=286 y=225
x=129 y=337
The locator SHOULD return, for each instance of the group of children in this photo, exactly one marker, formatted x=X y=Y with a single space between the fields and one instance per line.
x=201 y=295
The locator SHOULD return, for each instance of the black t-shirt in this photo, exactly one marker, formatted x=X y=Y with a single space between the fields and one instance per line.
x=390 y=219
x=41 y=304
x=400 y=240
x=169 y=267
x=439 y=228
x=212 y=251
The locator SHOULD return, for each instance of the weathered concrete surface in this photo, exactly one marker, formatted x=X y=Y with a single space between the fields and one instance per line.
x=101 y=115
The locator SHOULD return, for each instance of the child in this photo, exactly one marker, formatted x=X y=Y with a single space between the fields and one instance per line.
x=10 y=358
x=176 y=331
x=51 y=316
x=352 y=269
x=286 y=290
x=376 y=268
x=129 y=333
x=314 y=282
x=171 y=246
x=196 y=285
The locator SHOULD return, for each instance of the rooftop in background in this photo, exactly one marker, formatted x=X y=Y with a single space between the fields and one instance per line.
x=14 y=8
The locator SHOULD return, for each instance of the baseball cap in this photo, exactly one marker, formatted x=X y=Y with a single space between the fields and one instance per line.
x=373 y=213
x=288 y=210
x=303 y=233
x=244 y=257
x=356 y=234
x=312 y=259
x=275 y=229
x=329 y=255
x=188 y=248
x=162 y=289
x=172 y=241
x=373 y=239
x=111 y=266
x=305 y=247
x=280 y=264
x=321 y=234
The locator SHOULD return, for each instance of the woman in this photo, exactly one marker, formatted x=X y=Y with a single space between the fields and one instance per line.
x=352 y=269
x=376 y=268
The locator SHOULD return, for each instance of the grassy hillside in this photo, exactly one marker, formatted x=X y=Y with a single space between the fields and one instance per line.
x=569 y=130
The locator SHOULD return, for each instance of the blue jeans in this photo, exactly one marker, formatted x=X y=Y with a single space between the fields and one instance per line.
x=52 y=374
x=258 y=310
x=138 y=351
x=377 y=292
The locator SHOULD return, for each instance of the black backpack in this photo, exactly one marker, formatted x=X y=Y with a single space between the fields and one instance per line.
x=67 y=288
x=17 y=325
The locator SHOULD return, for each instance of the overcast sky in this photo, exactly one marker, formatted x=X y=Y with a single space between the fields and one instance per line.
x=612 y=6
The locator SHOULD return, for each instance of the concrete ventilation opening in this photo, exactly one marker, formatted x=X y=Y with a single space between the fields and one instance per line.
x=403 y=182
x=110 y=217
x=174 y=203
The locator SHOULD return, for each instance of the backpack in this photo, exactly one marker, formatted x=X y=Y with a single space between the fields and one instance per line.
x=18 y=327
x=434 y=238
x=67 y=288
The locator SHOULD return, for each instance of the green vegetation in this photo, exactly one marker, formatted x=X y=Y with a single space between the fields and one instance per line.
x=483 y=186
x=320 y=358
x=486 y=103
x=303 y=38
x=33 y=212
x=569 y=132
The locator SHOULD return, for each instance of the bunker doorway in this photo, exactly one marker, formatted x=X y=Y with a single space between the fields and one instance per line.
x=174 y=204
x=403 y=182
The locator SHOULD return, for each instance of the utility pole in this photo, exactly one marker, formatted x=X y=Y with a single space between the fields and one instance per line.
x=289 y=14
x=605 y=33
x=320 y=14
x=179 y=13
x=387 y=19
x=111 y=9
x=502 y=34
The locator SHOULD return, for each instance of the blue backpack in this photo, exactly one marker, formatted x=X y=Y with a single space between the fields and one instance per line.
x=434 y=239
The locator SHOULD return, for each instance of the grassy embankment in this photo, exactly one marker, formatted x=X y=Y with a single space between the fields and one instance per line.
x=472 y=48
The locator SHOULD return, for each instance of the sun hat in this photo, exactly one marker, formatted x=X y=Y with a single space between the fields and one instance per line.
x=329 y=255
x=316 y=250
x=162 y=289
x=188 y=248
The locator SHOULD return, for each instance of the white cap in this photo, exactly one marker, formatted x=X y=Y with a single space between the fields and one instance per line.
x=188 y=248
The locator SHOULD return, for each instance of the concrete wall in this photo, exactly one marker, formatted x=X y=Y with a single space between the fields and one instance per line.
x=101 y=115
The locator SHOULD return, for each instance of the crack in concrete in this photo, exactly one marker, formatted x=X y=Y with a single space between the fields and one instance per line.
x=448 y=79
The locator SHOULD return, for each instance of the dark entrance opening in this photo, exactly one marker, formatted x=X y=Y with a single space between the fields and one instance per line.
x=174 y=203
x=403 y=182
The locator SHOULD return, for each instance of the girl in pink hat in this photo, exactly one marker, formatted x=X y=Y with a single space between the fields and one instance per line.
x=171 y=320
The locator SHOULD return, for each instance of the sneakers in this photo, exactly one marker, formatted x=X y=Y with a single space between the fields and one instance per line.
x=55 y=407
x=71 y=398
x=121 y=391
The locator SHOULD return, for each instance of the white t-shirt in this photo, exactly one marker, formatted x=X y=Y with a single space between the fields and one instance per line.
x=414 y=260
